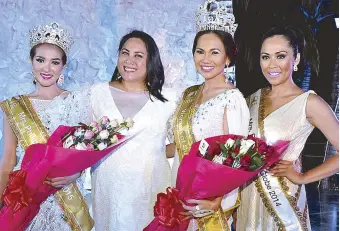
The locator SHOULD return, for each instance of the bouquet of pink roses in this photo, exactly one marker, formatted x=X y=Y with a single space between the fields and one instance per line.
x=96 y=136
x=213 y=167
x=69 y=150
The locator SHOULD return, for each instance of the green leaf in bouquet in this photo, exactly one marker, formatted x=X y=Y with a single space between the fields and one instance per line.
x=255 y=168
x=251 y=151
x=252 y=167
x=208 y=156
x=256 y=160
x=82 y=124
x=224 y=150
x=237 y=142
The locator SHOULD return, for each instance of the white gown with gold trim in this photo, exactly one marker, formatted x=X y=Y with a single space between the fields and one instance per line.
x=208 y=121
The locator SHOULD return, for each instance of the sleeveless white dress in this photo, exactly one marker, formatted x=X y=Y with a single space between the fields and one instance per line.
x=66 y=109
x=288 y=122
x=125 y=185
x=208 y=122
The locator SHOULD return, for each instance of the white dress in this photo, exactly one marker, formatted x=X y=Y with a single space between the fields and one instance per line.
x=208 y=122
x=289 y=122
x=66 y=109
x=125 y=185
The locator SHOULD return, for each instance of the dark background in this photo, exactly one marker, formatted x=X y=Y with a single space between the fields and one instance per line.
x=256 y=16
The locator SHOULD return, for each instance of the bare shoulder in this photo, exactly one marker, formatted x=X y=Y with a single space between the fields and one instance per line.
x=315 y=102
x=318 y=109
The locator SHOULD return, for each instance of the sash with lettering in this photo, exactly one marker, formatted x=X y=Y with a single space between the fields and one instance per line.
x=184 y=138
x=283 y=207
x=28 y=129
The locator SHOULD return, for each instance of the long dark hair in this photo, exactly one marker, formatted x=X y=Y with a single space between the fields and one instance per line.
x=227 y=40
x=300 y=41
x=154 y=67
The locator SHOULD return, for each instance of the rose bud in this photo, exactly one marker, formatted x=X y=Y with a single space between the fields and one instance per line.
x=93 y=124
x=97 y=129
x=102 y=146
x=90 y=147
x=229 y=143
x=88 y=134
x=229 y=161
x=245 y=160
x=104 y=134
x=245 y=145
x=81 y=146
x=114 y=139
x=114 y=123
x=129 y=122
x=104 y=120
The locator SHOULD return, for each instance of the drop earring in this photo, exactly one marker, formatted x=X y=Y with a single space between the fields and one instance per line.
x=295 y=67
x=226 y=75
x=60 y=81
x=34 y=80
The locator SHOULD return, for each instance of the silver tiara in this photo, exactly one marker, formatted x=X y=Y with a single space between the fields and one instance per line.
x=215 y=16
x=52 y=34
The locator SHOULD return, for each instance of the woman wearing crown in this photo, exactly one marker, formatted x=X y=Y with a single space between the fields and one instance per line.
x=213 y=108
x=31 y=118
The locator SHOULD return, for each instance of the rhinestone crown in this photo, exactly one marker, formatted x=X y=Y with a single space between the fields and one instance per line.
x=215 y=16
x=52 y=34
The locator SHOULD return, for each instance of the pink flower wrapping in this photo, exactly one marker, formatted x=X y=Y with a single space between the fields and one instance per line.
x=41 y=161
x=199 y=178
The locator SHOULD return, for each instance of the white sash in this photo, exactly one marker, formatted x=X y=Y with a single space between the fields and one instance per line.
x=284 y=208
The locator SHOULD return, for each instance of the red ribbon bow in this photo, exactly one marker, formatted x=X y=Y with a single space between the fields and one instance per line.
x=167 y=208
x=16 y=195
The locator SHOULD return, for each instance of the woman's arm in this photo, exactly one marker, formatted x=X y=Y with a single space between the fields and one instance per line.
x=8 y=159
x=81 y=113
x=321 y=116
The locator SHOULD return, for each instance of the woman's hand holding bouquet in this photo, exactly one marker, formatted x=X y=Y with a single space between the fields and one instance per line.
x=213 y=167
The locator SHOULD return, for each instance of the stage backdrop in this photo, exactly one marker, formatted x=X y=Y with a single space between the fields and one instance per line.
x=97 y=26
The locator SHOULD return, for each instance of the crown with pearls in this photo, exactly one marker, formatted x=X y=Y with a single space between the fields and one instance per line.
x=215 y=16
x=52 y=34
